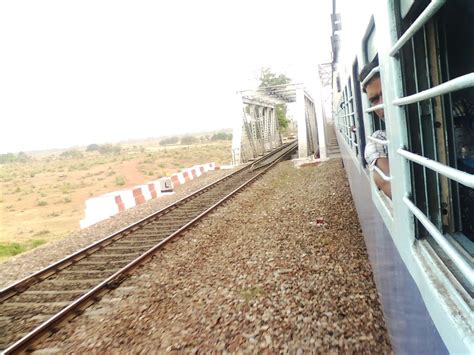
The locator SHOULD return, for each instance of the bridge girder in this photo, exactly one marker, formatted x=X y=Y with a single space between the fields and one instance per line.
x=256 y=129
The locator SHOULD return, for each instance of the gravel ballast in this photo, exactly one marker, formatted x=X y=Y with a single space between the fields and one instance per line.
x=281 y=267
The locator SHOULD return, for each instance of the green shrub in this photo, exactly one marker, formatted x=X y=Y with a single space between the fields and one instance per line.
x=11 y=249
x=41 y=203
x=66 y=188
x=119 y=180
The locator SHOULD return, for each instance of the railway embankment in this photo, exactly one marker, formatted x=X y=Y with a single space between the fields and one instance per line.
x=280 y=267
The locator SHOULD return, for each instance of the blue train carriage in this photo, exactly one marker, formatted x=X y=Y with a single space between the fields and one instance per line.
x=419 y=233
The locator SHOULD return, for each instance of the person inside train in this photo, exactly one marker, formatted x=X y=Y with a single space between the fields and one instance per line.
x=376 y=154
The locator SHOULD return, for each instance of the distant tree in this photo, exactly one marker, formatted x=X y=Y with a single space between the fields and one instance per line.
x=73 y=153
x=92 y=147
x=221 y=136
x=267 y=79
x=110 y=149
x=7 y=158
x=22 y=157
x=14 y=158
x=187 y=140
x=169 y=141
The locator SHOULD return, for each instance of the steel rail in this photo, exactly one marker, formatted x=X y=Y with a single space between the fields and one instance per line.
x=114 y=280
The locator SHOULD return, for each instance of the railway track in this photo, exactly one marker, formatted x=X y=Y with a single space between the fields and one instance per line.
x=34 y=307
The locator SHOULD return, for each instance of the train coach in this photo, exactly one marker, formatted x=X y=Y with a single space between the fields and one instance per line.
x=417 y=214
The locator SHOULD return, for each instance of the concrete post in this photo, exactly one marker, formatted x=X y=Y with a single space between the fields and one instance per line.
x=301 y=121
x=237 y=130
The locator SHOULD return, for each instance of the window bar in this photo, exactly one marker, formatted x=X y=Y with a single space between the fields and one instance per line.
x=453 y=174
x=346 y=112
x=424 y=198
x=376 y=140
x=425 y=16
x=454 y=255
x=462 y=82
x=374 y=108
x=370 y=75
x=382 y=174
x=343 y=112
x=349 y=114
x=350 y=99
x=434 y=204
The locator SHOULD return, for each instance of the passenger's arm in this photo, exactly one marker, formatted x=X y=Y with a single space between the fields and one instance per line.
x=382 y=164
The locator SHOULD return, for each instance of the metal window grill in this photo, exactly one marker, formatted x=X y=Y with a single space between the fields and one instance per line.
x=465 y=81
x=346 y=119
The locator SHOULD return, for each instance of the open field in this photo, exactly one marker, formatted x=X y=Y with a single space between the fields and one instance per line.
x=42 y=199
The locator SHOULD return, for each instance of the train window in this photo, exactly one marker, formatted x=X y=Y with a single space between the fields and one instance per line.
x=441 y=128
x=351 y=116
x=370 y=47
x=344 y=117
x=358 y=112
x=377 y=144
x=370 y=55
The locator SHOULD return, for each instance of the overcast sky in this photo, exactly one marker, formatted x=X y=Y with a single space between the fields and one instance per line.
x=81 y=72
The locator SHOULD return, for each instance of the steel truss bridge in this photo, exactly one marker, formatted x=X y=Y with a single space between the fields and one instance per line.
x=256 y=130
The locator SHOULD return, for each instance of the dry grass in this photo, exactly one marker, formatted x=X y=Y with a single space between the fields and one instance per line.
x=48 y=192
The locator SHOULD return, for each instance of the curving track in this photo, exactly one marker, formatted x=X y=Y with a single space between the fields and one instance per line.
x=34 y=306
